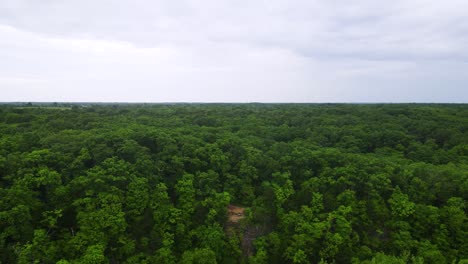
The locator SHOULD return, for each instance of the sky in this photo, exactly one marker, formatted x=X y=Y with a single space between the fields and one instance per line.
x=234 y=51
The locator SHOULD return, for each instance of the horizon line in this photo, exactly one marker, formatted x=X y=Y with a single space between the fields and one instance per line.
x=216 y=102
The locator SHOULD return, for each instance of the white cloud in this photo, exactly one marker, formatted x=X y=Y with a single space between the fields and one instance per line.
x=233 y=50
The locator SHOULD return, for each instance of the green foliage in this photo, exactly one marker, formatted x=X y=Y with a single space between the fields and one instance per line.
x=400 y=204
x=199 y=256
x=152 y=183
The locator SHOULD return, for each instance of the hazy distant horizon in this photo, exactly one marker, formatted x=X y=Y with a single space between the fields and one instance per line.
x=167 y=103
x=229 y=51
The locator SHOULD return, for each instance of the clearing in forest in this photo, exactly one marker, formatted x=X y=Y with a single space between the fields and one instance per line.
x=235 y=213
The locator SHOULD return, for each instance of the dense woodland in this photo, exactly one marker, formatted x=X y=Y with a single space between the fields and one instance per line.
x=321 y=183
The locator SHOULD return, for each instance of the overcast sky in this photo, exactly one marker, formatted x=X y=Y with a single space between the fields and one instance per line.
x=234 y=51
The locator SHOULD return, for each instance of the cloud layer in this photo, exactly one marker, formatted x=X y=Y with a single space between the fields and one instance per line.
x=234 y=51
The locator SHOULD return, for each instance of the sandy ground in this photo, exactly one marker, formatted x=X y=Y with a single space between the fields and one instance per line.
x=235 y=213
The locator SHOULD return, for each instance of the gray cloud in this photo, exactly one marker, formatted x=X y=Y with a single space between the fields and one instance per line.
x=294 y=51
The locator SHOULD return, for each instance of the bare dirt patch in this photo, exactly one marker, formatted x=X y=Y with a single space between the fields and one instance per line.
x=235 y=213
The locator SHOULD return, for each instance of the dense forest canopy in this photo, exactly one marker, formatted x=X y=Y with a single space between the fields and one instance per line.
x=318 y=183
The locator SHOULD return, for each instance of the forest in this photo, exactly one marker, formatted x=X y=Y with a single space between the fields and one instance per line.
x=311 y=183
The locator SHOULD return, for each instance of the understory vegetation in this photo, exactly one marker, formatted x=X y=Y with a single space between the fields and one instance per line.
x=320 y=183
